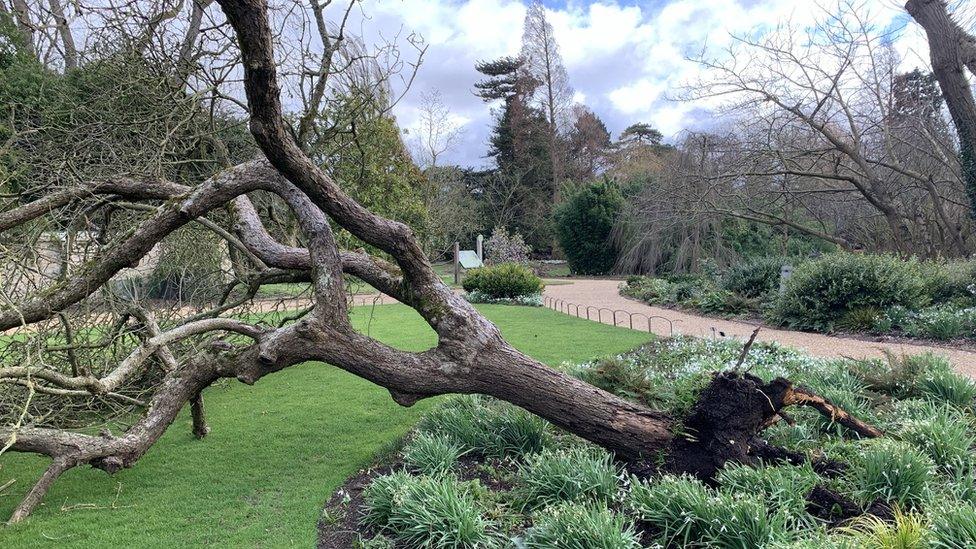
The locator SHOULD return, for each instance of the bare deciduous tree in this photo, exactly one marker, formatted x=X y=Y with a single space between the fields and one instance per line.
x=824 y=117
x=544 y=64
x=437 y=130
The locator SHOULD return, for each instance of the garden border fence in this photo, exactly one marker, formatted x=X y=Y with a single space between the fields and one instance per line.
x=574 y=309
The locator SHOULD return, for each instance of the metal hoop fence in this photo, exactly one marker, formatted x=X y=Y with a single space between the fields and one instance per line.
x=592 y=312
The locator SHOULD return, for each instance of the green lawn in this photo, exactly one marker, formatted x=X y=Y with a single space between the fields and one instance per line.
x=276 y=452
x=356 y=286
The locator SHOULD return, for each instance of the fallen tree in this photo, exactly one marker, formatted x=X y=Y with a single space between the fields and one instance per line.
x=471 y=355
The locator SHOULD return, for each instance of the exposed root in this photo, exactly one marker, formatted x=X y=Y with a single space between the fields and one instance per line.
x=838 y=510
x=732 y=410
x=797 y=396
x=766 y=452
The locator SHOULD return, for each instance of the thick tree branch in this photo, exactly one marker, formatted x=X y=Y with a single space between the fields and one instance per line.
x=217 y=191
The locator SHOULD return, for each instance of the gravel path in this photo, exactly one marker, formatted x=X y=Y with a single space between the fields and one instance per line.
x=604 y=293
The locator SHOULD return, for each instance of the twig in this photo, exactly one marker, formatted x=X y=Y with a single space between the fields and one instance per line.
x=745 y=350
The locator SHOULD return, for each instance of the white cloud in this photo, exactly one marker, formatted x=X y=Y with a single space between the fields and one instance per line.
x=638 y=96
x=624 y=59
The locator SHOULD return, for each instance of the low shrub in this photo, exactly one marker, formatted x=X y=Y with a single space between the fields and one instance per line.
x=653 y=291
x=432 y=454
x=692 y=291
x=952 y=282
x=571 y=474
x=723 y=302
x=688 y=287
x=823 y=291
x=755 y=277
x=685 y=513
x=534 y=300
x=505 y=281
x=489 y=428
x=895 y=473
x=576 y=526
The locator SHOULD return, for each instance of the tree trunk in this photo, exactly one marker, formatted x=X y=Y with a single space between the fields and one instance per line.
x=951 y=49
x=64 y=31
x=22 y=16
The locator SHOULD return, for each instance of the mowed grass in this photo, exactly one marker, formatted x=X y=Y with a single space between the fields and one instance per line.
x=276 y=451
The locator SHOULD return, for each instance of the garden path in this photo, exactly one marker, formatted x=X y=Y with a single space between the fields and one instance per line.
x=604 y=293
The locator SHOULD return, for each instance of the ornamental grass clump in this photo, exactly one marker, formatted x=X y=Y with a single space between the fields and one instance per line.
x=581 y=526
x=432 y=454
x=380 y=497
x=948 y=386
x=567 y=474
x=426 y=512
x=781 y=487
x=489 y=428
x=683 y=512
x=954 y=526
x=945 y=438
x=905 y=531
x=894 y=473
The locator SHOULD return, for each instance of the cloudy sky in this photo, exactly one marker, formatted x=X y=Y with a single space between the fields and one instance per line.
x=623 y=57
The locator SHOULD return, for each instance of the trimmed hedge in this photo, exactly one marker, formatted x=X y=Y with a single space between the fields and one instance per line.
x=583 y=225
x=505 y=281
x=824 y=291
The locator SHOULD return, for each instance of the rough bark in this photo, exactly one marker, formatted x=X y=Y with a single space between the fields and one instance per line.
x=200 y=427
x=952 y=50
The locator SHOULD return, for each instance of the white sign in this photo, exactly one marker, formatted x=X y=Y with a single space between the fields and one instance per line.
x=469 y=259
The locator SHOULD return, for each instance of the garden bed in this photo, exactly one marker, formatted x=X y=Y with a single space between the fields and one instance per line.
x=481 y=473
x=849 y=294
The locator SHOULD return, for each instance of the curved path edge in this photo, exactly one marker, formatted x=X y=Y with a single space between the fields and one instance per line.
x=605 y=293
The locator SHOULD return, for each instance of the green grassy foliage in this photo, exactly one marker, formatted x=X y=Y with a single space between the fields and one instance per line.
x=276 y=452
x=563 y=492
